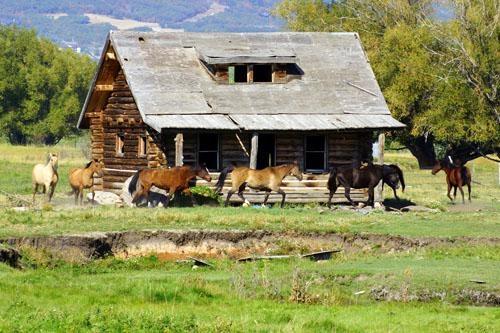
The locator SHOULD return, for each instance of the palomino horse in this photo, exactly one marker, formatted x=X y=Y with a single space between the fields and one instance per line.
x=171 y=180
x=80 y=179
x=455 y=177
x=393 y=176
x=365 y=177
x=268 y=179
x=46 y=176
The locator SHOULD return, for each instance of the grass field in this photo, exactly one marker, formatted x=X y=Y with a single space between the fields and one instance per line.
x=424 y=289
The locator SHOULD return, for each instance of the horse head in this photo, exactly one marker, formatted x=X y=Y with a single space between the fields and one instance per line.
x=53 y=159
x=97 y=166
x=203 y=173
x=295 y=171
x=438 y=166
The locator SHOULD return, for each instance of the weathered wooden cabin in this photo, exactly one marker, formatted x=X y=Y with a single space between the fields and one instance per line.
x=258 y=99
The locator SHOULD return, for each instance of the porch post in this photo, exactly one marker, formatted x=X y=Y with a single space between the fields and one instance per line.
x=253 y=151
x=179 y=147
x=379 y=194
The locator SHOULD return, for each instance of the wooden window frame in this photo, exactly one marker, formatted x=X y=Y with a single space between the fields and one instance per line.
x=325 y=153
x=218 y=151
x=142 y=146
x=120 y=144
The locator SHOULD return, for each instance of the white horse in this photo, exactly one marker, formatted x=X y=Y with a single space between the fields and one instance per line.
x=46 y=176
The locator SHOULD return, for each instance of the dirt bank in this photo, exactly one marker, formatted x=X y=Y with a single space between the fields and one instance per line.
x=170 y=244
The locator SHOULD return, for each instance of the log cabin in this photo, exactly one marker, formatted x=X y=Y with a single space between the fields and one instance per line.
x=160 y=99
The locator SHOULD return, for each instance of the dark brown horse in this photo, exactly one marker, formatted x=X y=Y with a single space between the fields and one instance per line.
x=456 y=177
x=172 y=180
x=393 y=176
x=268 y=179
x=364 y=177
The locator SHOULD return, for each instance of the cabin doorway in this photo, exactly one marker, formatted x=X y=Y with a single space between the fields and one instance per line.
x=266 y=154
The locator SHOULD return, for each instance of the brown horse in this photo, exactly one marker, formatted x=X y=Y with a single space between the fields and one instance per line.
x=45 y=176
x=455 y=177
x=365 y=177
x=171 y=180
x=83 y=178
x=268 y=179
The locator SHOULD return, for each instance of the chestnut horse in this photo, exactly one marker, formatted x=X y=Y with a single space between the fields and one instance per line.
x=455 y=177
x=80 y=179
x=45 y=176
x=171 y=180
x=268 y=179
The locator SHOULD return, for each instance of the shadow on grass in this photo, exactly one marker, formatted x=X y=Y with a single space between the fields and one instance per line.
x=398 y=204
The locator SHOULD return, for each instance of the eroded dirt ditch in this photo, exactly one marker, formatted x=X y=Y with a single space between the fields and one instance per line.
x=172 y=244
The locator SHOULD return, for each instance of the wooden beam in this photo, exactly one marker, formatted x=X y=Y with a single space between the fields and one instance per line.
x=379 y=193
x=103 y=87
x=253 y=151
x=110 y=56
x=179 y=149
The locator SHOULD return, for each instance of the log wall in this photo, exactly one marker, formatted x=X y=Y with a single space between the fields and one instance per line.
x=120 y=116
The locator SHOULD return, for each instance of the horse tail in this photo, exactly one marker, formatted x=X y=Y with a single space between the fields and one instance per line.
x=332 y=179
x=133 y=182
x=400 y=174
x=222 y=178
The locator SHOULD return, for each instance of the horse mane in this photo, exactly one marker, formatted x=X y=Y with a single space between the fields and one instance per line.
x=400 y=174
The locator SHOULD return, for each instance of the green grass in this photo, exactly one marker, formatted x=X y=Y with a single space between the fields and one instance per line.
x=146 y=294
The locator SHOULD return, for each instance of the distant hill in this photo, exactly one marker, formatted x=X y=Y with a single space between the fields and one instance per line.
x=83 y=24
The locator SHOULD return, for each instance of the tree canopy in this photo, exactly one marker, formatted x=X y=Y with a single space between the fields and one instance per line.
x=440 y=77
x=42 y=88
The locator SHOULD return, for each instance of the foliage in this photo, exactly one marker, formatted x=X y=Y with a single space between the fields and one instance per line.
x=439 y=77
x=42 y=88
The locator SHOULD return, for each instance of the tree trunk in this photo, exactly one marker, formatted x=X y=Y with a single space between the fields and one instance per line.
x=423 y=150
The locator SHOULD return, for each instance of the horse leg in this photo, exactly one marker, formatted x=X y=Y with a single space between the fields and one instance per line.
x=347 y=194
x=48 y=189
x=170 y=194
x=240 y=192
x=371 y=197
x=449 y=190
x=188 y=192
x=330 y=196
x=77 y=194
x=280 y=191
x=80 y=191
x=229 y=194
x=462 y=193
x=266 y=197
x=395 y=195
x=35 y=189
x=468 y=188
x=93 y=195
x=454 y=193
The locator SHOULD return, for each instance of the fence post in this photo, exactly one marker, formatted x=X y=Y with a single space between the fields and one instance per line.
x=253 y=150
x=379 y=193
x=179 y=149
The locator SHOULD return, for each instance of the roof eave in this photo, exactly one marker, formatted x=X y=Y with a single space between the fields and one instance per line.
x=93 y=83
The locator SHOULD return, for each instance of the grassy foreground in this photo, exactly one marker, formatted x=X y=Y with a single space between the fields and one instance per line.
x=422 y=290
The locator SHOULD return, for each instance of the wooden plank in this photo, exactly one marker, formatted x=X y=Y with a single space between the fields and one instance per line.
x=254 y=150
x=179 y=149
x=103 y=87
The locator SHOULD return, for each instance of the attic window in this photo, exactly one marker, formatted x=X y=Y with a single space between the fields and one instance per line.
x=120 y=144
x=141 y=39
x=240 y=74
x=262 y=73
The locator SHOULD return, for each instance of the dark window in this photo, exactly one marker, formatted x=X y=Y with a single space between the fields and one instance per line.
x=119 y=144
x=208 y=151
x=240 y=74
x=266 y=151
x=262 y=73
x=143 y=146
x=315 y=153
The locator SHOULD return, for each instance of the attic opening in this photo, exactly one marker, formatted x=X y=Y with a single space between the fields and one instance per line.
x=262 y=73
x=240 y=74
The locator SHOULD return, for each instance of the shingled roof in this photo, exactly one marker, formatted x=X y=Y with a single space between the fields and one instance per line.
x=173 y=90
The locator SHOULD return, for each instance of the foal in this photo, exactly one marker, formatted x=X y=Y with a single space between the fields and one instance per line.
x=80 y=179
x=171 y=180
x=455 y=177
x=268 y=179
x=45 y=176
